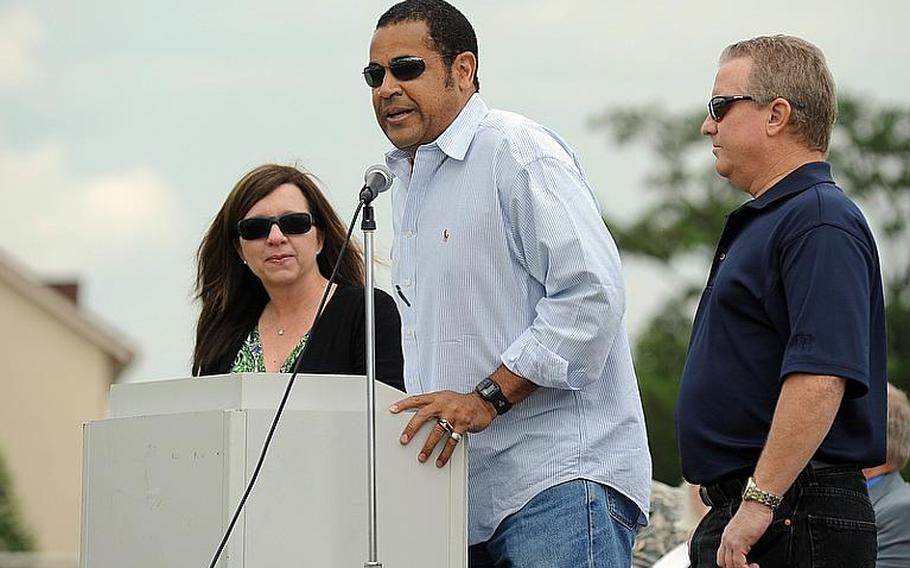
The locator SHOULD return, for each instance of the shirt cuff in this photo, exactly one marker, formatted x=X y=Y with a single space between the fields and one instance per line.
x=857 y=381
x=529 y=358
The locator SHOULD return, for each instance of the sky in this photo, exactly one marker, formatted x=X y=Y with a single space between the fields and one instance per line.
x=123 y=125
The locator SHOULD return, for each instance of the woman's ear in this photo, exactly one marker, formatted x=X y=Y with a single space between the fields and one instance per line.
x=239 y=251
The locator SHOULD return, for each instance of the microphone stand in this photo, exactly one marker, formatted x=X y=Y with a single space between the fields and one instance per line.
x=368 y=226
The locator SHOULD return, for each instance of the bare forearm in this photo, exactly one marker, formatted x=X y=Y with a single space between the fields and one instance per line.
x=515 y=387
x=805 y=411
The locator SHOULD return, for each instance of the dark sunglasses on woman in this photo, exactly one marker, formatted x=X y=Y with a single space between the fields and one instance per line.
x=254 y=228
x=403 y=68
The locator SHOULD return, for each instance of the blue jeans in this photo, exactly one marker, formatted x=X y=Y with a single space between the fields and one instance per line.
x=825 y=520
x=577 y=524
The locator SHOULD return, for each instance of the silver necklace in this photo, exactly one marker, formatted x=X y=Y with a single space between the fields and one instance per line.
x=282 y=330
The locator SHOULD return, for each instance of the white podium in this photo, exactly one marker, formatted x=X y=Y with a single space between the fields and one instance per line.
x=163 y=474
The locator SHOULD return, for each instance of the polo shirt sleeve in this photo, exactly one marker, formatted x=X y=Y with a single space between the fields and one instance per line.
x=558 y=236
x=826 y=273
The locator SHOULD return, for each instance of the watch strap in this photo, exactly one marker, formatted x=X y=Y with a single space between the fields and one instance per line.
x=753 y=493
x=489 y=390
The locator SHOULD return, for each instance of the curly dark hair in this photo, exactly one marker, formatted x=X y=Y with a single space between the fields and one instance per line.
x=450 y=32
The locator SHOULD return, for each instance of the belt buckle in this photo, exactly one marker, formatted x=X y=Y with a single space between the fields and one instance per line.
x=703 y=494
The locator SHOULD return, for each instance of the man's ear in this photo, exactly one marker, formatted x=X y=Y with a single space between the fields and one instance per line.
x=465 y=67
x=779 y=114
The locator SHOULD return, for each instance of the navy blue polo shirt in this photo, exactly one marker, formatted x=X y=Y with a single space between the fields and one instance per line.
x=795 y=287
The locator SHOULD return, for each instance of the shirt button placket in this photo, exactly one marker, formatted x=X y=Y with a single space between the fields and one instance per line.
x=407 y=268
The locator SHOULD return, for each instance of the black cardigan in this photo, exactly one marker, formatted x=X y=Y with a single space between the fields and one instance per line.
x=337 y=344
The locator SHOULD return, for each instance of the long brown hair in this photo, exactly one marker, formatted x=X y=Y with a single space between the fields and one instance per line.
x=232 y=297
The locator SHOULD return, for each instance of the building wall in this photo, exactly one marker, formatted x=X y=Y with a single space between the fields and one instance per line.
x=52 y=380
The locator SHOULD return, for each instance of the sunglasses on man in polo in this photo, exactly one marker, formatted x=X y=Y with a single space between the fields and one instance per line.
x=403 y=68
x=718 y=106
x=254 y=228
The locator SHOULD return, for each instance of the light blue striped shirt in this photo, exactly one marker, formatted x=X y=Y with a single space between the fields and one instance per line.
x=501 y=252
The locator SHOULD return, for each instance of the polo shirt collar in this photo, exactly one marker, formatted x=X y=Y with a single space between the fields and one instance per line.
x=797 y=181
x=456 y=139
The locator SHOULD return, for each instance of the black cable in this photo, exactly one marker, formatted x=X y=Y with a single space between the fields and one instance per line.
x=287 y=392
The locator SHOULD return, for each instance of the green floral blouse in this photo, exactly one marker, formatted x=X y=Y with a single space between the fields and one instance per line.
x=250 y=360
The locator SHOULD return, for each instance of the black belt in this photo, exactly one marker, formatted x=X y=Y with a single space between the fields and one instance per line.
x=730 y=489
x=722 y=492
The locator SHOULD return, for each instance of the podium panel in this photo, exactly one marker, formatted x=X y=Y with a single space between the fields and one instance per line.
x=164 y=473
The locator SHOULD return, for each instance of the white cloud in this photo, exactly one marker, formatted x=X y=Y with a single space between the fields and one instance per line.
x=21 y=31
x=127 y=205
x=57 y=222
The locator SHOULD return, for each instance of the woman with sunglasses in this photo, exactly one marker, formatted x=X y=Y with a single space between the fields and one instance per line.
x=262 y=268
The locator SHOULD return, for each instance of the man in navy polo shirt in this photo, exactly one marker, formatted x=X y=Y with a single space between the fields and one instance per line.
x=783 y=398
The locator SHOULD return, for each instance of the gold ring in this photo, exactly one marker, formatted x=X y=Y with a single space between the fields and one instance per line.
x=455 y=436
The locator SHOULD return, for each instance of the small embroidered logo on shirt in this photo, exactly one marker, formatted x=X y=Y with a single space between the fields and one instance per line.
x=445 y=235
x=802 y=342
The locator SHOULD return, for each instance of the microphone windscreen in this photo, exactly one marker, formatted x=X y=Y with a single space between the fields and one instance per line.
x=378 y=178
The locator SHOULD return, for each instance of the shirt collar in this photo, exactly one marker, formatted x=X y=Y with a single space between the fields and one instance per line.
x=797 y=181
x=456 y=139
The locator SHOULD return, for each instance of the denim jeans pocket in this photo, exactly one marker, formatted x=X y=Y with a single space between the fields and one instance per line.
x=622 y=509
x=773 y=548
x=703 y=546
x=841 y=527
x=843 y=543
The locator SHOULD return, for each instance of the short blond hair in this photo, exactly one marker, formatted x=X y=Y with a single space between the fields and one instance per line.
x=898 y=427
x=794 y=69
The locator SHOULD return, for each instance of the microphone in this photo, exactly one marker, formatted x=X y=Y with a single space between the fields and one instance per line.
x=377 y=179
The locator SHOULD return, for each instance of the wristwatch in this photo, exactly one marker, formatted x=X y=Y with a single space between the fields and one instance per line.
x=489 y=390
x=753 y=493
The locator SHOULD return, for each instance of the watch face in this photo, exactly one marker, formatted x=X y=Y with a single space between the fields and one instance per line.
x=488 y=389
x=490 y=392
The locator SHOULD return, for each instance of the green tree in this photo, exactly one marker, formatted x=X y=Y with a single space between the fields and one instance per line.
x=870 y=155
x=12 y=535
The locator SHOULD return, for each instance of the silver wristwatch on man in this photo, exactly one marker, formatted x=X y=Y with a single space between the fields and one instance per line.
x=753 y=493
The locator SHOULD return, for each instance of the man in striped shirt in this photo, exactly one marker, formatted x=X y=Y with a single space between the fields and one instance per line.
x=511 y=297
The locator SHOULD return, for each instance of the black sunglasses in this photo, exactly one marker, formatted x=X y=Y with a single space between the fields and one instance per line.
x=403 y=68
x=718 y=106
x=254 y=228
